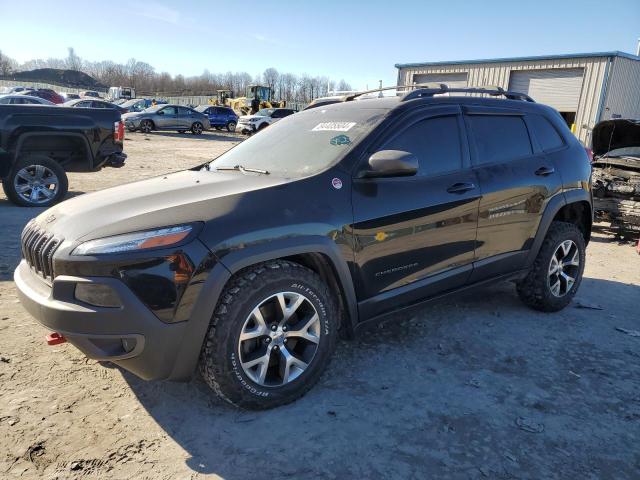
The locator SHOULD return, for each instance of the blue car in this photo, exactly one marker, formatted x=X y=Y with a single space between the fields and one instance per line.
x=220 y=117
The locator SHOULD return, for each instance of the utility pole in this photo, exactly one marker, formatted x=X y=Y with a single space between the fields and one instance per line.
x=380 y=92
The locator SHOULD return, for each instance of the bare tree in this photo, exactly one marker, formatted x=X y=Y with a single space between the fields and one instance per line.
x=7 y=64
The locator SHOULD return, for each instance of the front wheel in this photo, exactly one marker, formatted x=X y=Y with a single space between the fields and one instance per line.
x=197 y=128
x=557 y=271
x=271 y=336
x=231 y=126
x=36 y=181
x=146 y=126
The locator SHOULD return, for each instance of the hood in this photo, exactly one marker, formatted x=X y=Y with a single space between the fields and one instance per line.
x=131 y=115
x=173 y=199
x=614 y=134
x=250 y=117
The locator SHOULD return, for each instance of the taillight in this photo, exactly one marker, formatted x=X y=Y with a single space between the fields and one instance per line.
x=118 y=132
x=589 y=153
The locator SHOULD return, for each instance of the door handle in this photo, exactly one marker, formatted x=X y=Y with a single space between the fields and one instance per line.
x=544 y=171
x=460 y=187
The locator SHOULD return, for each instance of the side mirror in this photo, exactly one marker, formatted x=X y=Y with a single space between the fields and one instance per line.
x=391 y=163
x=160 y=112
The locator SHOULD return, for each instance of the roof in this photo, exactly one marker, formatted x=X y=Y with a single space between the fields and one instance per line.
x=522 y=59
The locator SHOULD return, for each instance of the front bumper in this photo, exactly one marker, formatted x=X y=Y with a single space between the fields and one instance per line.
x=245 y=127
x=132 y=123
x=130 y=335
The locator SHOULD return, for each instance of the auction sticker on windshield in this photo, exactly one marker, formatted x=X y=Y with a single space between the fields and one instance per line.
x=334 y=126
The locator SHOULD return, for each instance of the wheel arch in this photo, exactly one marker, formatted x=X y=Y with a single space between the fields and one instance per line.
x=573 y=206
x=59 y=141
x=320 y=254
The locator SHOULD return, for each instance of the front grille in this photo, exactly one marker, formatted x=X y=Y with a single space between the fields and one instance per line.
x=38 y=248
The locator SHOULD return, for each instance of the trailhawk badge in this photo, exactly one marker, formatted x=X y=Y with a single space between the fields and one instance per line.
x=337 y=183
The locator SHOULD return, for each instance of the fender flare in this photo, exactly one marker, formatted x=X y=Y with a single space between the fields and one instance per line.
x=553 y=207
x=25 y=136
x=234 y=261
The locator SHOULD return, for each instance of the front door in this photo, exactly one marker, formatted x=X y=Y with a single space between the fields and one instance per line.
x=415 y=236
x=167 y=118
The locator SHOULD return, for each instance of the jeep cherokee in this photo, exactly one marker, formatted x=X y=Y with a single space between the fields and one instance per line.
x=248 y=266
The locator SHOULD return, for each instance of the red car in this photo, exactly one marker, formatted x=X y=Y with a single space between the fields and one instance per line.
x=47 y=94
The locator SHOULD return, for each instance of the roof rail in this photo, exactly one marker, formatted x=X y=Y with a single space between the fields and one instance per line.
x=429 y=90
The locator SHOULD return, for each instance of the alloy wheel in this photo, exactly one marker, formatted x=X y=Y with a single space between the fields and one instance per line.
x=279 y=339
x=197 y=128
x=36 y=184
x=564 y=268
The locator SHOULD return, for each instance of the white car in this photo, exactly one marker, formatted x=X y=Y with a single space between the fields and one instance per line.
x=23 y=100
x=261 y=119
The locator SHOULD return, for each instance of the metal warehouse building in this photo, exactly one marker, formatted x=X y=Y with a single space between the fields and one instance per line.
x=585 y=88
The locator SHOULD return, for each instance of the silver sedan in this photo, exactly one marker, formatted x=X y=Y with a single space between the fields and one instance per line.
x=23 y=100
x=167 y=117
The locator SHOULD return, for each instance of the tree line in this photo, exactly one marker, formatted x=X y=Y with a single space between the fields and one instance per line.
x=148 y=82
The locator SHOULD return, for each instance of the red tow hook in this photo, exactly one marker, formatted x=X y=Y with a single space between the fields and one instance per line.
x=54 y=338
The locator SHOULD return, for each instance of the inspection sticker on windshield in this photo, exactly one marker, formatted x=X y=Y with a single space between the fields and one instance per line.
x=334 y=127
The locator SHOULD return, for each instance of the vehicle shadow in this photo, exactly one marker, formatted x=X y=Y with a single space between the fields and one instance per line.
x=209 y=135
x=447 y=390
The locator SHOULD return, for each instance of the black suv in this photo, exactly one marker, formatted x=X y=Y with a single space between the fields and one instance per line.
x=251 y=265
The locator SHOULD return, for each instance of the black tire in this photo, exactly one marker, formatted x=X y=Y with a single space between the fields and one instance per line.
x=535 y=290
x=263 y=126
x=197 y=128
x=30 y=163
x=146 y=126
x=231 y=127
x=220 y=358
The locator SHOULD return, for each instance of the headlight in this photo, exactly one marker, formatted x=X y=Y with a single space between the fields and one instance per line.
x=162 y=237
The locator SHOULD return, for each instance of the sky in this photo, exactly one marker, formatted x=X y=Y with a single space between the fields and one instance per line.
x=359 y=41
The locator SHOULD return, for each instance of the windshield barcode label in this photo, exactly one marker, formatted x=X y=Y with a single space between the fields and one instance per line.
x=334 y=126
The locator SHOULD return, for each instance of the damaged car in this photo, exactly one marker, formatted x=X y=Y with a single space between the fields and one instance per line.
x=616 y=172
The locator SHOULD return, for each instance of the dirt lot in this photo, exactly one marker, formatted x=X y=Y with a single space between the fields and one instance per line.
x=475 y=387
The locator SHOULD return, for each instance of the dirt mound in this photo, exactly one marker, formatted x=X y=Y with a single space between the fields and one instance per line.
x=55 y=76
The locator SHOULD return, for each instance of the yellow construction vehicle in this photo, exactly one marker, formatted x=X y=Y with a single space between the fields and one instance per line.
x=256 y=97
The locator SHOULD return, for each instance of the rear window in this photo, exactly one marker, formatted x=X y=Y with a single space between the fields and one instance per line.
x=546 y=133
x=499 y=138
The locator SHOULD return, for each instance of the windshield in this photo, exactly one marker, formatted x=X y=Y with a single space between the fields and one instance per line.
x=265 y=112
x=153 y=108
x=305 y=143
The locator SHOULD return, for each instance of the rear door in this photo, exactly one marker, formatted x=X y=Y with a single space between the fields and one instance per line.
x=415 y=236
x=185 y=117
x=516 y=180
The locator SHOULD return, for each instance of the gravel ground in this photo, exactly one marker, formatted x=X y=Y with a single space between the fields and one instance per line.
x=476 y=386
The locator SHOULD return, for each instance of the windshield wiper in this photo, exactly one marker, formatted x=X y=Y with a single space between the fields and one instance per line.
x=242 y=169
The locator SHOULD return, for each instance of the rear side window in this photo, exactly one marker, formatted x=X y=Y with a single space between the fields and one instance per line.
x=436 y=143
x=499 y=138
x=545 y=132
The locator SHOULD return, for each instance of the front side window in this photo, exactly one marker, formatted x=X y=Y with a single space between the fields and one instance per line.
x=499 y=138
x=169 y=111
x=436 y=143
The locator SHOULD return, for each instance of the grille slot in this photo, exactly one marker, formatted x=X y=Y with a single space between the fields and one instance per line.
x=38 y=248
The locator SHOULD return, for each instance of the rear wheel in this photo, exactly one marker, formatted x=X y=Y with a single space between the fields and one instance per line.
x=146 y=126
x=36 y=181
x=231 y=126
x=196 y=128
x=271 y=336
x=557 y=271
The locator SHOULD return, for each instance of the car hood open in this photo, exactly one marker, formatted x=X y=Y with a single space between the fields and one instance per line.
x=183 y=197
x=613 y=134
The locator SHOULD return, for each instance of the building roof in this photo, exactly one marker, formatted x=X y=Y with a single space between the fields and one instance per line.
x=522 y=59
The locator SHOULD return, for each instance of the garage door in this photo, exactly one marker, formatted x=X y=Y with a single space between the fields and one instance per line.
x=559 y=88
x=453 y=80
